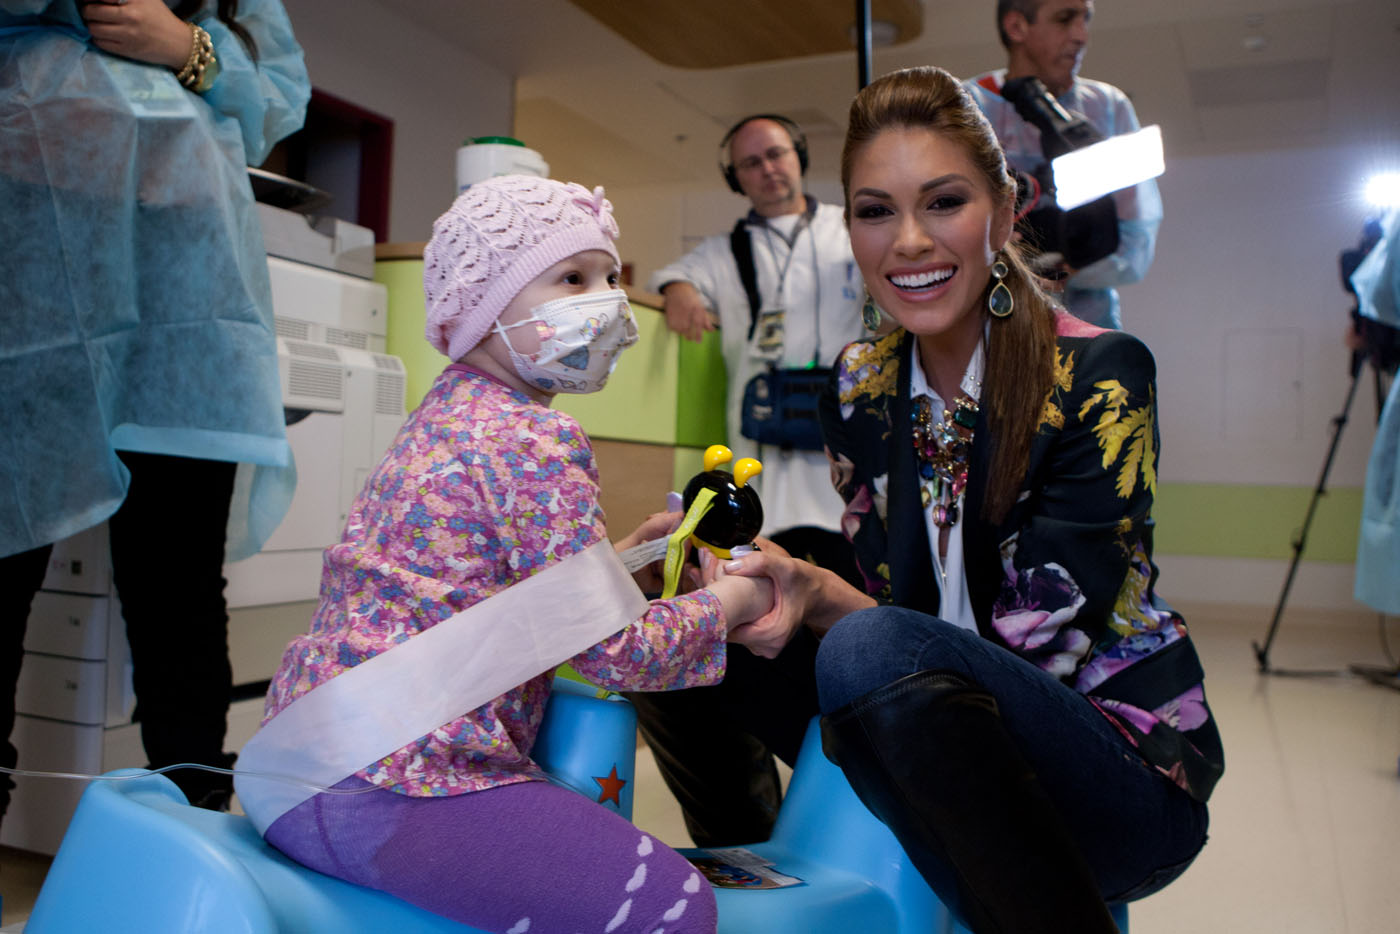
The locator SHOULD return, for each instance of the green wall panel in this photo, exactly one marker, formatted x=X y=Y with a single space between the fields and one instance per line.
x=639 y=401
x=689 y=462
x=700 y=409
x=1238 y=521
x=404 y=338
x=665 y=390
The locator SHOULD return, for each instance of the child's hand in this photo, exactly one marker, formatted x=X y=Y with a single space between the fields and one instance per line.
x=658 y=525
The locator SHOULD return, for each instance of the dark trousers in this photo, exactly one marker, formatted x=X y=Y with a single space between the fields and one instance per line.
x=167 y=545
x=715 y=745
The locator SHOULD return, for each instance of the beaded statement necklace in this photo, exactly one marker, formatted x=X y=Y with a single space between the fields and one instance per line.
x=942 y=450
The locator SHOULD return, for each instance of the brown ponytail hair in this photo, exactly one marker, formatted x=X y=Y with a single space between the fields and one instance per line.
x=1020 y=348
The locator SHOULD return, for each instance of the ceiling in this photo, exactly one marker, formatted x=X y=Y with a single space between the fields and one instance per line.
x=702 y=35
x=1215 y=74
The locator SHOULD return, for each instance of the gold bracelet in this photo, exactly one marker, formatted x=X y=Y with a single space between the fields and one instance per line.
x=202 y=67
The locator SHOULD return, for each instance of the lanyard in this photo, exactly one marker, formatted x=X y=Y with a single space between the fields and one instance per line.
x=804 y=223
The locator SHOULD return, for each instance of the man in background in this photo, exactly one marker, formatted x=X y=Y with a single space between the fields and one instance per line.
x=805 y=306
x=1047 y=39
x=801 y=304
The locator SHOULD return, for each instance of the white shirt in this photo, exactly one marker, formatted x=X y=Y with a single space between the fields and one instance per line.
x=955 y=604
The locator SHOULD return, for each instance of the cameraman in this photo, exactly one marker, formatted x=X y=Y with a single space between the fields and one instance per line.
x=1047 y=39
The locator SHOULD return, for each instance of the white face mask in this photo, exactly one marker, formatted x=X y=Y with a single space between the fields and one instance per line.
x=580 y=336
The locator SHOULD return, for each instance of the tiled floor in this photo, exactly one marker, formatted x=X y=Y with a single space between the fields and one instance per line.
x=1305 y=832
x=1305 y=825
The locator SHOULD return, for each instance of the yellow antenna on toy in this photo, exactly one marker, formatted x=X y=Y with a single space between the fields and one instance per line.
x=717 y=454
x=745 y=469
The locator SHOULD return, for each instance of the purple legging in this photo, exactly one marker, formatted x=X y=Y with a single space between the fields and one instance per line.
x=524 y=857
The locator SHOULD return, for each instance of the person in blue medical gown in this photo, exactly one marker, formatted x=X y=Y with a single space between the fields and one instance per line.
x=138 y=361
x=1376 y=282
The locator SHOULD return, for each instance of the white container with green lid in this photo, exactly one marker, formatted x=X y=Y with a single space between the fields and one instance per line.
x=488 y=156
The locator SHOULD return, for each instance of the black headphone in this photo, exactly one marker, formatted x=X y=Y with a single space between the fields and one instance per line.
x=799 y=145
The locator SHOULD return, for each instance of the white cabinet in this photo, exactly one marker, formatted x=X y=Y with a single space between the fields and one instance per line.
x=74 y=700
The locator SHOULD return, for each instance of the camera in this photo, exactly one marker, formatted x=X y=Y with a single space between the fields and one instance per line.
x=1078 y=237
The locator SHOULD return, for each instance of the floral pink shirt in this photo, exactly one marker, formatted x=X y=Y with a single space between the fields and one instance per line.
x=482 y=488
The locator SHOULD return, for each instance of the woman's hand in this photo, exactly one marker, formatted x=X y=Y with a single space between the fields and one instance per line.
x=144 y=30
x=748 y=608
x=804 y=595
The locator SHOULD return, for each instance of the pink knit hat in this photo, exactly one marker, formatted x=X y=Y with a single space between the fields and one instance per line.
x=497 y=237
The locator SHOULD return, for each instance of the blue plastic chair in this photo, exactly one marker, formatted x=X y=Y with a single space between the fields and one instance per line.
x=857 y=876
x=137 y=857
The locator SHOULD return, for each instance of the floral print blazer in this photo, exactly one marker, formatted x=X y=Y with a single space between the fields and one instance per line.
x=1066 y=579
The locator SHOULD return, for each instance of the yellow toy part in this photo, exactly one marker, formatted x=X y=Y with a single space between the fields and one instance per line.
x=745 y=469
x=715 y=455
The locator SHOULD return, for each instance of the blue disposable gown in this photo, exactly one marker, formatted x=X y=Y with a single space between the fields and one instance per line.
x=135 y=299
x=1377 y=285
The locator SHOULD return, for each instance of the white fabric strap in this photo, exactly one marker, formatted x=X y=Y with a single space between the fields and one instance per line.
x=384 y=703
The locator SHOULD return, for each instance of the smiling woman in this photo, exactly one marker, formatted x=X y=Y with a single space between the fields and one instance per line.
x=957 y=202
x=997 y=458
x=926 y=229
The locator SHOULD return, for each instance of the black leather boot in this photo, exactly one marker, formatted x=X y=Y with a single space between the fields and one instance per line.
x=928 y=755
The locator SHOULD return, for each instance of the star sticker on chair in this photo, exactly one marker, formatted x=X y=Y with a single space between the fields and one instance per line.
x=612 y=787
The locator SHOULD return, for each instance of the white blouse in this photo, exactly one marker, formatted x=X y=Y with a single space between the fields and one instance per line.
x=955 y=605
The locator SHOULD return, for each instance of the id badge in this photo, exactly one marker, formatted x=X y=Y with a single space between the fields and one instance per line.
x=768 y=334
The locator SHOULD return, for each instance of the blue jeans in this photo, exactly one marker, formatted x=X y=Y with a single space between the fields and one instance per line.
x=1136 y=828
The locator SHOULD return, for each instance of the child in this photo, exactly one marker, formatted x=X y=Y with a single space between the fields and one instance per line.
x=486 y=508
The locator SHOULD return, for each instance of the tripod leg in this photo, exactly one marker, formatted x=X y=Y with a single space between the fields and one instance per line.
x=1338 y=423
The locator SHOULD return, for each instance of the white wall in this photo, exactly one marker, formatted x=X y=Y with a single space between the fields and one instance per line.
x=437 y=95
x=1245 y=311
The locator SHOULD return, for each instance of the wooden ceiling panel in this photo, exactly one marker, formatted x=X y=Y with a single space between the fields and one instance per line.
x=722 y=33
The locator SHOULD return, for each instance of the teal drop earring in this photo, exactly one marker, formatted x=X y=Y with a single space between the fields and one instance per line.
x=1000 y=302
x=869 y=314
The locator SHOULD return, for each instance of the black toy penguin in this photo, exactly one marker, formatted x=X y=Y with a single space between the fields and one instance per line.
x=734 y=515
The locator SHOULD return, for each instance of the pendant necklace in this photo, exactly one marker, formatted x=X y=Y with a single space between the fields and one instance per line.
x=941 y=448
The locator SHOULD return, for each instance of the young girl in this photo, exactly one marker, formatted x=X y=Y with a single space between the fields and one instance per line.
x=473 y=563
